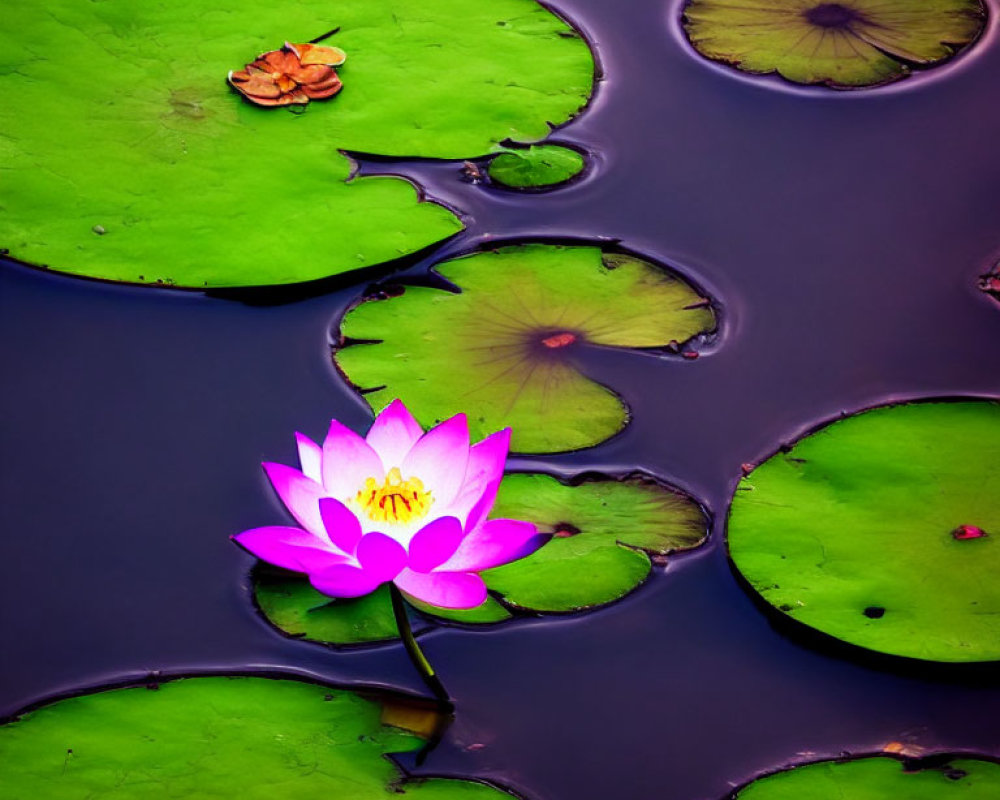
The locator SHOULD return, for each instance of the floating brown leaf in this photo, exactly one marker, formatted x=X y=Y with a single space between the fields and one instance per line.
x=293 y=75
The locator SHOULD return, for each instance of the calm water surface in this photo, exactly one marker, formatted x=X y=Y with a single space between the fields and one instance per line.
x=841 y=233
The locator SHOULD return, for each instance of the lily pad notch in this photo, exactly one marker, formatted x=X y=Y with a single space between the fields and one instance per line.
x=881 y=532
x=506 y=347
x=607 y=535
x=849 y=44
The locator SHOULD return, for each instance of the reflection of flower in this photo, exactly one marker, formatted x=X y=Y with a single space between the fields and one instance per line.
x=400 y=505
x=293 y=75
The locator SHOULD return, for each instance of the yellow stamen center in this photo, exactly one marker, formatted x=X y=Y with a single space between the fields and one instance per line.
x=396 y=500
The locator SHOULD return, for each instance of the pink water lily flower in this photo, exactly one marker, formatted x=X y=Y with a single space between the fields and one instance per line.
x=398 y=505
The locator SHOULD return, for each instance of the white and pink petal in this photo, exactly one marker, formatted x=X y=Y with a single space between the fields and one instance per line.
x=301 y=495
x=393 y=434
x=434 y=544
x=344 y=580
x=483 y=472
x=289 y=548
x=341 y=525
x=310 y=457
x=348 y=460
x=440 y=458
x=381 y=555
x=443 y=589
x=496 y=542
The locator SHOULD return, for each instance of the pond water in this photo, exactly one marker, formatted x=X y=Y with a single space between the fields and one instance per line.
x=842 y=235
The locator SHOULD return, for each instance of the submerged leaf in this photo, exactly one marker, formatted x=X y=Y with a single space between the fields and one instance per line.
x=184 y=183
x=603 y=534
x=535 y=167
x=879 y=778
x=219 y=737
x=502 y=350
x=846 y=44
x=853 y=531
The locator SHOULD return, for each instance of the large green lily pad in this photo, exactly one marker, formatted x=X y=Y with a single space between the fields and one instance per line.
x=502 y=350
x=536 y=167
x=604 y=532
x=879 y=778
x=126 y=156
x=252 y=738
x=847 y=44
x=883 y=530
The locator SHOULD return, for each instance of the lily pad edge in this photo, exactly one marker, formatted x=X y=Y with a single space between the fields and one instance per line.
x=816 y=639
x=774 y=79
x=374 y=693
x=937 y=759
x=699 y=344
x=588 y=168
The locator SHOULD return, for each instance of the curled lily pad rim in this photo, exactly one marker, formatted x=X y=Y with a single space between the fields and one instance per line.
x=809 y=428
x=590 y=158
x=772 y=81
x=925 y=761
x=826 y=643
x=703 y=343
x=274 y=294
x=155 y=678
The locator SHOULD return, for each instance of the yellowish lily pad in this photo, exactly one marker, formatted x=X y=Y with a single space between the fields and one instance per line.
x=502 y=349
x=845 y=44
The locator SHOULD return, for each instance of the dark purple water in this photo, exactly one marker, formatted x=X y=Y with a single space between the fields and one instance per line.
x=842 y=234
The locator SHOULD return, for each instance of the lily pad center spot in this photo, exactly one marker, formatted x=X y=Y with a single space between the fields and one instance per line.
x=551 y=342
x=832 y=15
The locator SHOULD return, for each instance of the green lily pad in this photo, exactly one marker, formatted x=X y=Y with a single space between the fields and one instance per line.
x=502 y=350
x=878 y=778
x=535 y=167
x=847 y=44
x=184 y=182
x=883 y=530
x=604 y=532
x=291 y=604
x=253 y=738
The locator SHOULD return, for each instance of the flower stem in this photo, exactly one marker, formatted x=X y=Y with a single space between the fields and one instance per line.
x=413 y=649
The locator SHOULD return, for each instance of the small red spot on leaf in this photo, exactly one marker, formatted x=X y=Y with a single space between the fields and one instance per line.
x=990 y=283
x=963 y=532
x=559 y=340
x=563 y=530
x=746 y=469
x=690 y=355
